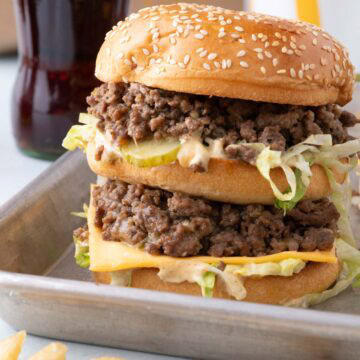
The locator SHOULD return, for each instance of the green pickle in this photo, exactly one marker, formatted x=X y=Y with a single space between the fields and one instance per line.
x=151 y=153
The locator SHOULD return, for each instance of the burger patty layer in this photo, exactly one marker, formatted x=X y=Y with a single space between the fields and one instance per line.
x=134 y=111
x=179 y=225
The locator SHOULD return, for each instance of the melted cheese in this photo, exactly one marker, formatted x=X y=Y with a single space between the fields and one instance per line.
x=113 y=256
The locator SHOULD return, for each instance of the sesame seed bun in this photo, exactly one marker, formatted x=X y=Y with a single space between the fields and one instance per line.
x=232 y=181
x=212 y=51
x=277 y=290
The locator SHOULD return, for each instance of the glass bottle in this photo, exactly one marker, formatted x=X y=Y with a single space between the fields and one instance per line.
x=58 y=41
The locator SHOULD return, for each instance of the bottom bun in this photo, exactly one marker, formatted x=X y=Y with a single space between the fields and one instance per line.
x=315 y=277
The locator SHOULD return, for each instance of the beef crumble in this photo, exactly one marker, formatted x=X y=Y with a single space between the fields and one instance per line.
x=134 y=111
x=179 y=225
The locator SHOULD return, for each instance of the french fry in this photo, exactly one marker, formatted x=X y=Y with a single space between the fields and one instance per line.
x=10 y=348
x=54 y=351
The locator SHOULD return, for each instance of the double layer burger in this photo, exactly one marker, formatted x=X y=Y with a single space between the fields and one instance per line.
x=222 y=157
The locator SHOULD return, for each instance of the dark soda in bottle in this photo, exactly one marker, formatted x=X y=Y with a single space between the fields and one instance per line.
x=58 y=41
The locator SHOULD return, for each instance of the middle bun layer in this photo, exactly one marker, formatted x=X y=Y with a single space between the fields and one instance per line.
x=231 y=181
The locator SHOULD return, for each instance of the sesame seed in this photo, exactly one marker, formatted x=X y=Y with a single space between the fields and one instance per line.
x=224 y=64
x=155 y=18
x=268 y=54
x=146 y=51
x=337 y=57
x=284 y=38
x=312 y=66
x=222 y=22
x=221 y=35
x=212 y=56
x=244 y=64
x=290 y=52
x=323 y=61
x=302 y=47
x=301 y=74
x=180 y=64
x=217 y=64
x=228 y=63
x=258 y=50
x=204 y=32
x=260 y=56
x=278 y=35
x=263 y=70
x=275 y=43
x=241 y=41
x=337 y=67
x=199 y=50
x=314 y=42
x=235 y=36
x=292 y=72
x=186 y=59
x=253 y=37
x=206 y=66
x=284 y=49
x=309 y=77
x=333 y=73
x=298 y=52
x=260 y=35
x=155 y=48
x=125 y=80
x=199 y=36
x=282 y=71
x=180 y=29
x=306 y=67
x=293 y=45
x=197 y=27
x=267 y=44
x=275 y=62
x=239 y=28
x=127 y=62
x=241 y=53
x=203 y=53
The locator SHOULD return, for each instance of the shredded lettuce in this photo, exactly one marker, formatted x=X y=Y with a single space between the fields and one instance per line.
x=207 y=283
x=299 y=194
x=201 y=274
x=82 y=255
x=287 y=267
x=350 y=274
x=121 y=278
x=316 y=149
x=82 y=214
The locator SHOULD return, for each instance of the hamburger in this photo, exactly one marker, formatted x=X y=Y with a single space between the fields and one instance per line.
x=222 y=157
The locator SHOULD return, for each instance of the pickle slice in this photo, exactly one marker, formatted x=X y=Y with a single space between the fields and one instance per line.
x=150 y=153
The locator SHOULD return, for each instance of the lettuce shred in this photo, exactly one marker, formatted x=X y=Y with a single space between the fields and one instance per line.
x=287 y=267
x=81 y=214
x=82 y=254
x=349 y=275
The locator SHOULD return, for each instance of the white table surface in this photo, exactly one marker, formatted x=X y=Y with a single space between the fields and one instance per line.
x=16 y=170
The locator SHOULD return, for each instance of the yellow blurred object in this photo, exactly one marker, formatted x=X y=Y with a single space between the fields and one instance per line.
x=54 y=351
x=308 y=10
x=10 y=348
x=109 y=358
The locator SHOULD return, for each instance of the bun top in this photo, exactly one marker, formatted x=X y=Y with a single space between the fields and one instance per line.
x=213 y=51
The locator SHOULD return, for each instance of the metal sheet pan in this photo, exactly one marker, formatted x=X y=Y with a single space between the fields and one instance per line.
x=43 y=291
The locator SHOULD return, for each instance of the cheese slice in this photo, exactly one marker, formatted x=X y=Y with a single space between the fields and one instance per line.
x=114 y=255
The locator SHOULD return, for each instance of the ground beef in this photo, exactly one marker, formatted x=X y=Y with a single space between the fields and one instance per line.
x=179 y=225
x=138 y=112
x=82 y=233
